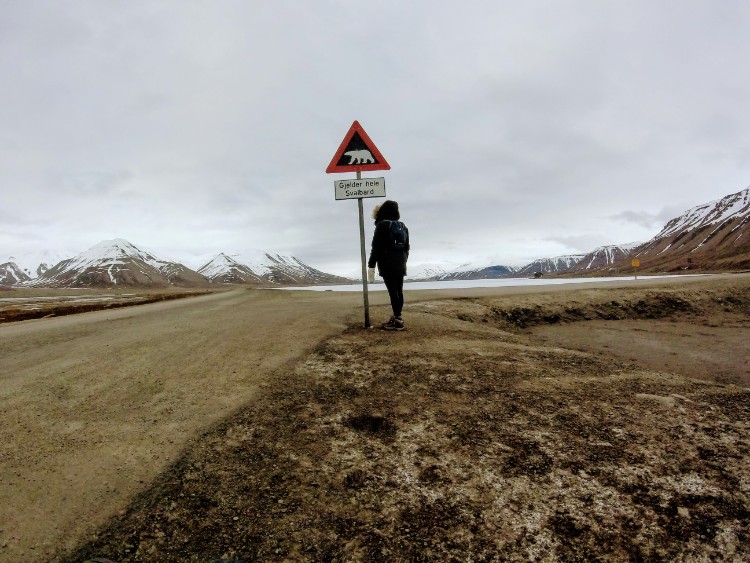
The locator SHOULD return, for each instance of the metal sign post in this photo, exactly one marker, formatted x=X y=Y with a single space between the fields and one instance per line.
x=355 y=154
x=363 y=254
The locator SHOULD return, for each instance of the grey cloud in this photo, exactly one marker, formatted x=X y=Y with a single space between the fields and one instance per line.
x=101 y=183
x=513 y=130
x=579 y=244
x=641 y=218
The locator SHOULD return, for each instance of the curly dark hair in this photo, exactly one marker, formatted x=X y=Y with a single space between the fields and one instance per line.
x=387 y=211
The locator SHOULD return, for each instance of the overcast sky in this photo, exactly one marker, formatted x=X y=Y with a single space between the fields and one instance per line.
x=514 y=130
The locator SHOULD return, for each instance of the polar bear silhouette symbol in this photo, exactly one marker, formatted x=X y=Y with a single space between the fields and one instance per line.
x=359 y=157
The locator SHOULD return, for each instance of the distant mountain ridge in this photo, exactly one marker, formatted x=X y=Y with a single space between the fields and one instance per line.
x=711 y=236
x=551 y=265
x=599 y=258
x=34 y=264
x=118 y=262
x=266 y=269
x=602 y=258
x=465 y=272
x=730 y=208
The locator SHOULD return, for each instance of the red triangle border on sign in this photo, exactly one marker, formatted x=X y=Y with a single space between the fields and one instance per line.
x=357 y=128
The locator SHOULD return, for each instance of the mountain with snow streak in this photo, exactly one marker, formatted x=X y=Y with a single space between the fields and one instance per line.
x=427 y=271
x=473 y=273
x=225 y=269
x=12 y=274
x=34 y=264
x=118 y=262
x=290 y=270
x=264 y=268
x=602 y=258
x=730 y=208
x=711 y=236
x=451 y=271
x=553 y=265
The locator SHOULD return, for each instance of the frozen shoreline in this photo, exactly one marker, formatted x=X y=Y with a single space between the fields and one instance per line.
x=471 y=284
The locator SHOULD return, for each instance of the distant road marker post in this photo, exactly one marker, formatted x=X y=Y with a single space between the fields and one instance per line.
x=357 y=153
x=635 y=262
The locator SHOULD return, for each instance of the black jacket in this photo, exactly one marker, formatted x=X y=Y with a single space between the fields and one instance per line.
x=391 y=261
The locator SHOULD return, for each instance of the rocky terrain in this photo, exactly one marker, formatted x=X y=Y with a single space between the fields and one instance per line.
x=476 y=435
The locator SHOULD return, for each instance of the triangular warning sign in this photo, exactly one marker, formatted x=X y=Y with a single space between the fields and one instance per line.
x=357 y=153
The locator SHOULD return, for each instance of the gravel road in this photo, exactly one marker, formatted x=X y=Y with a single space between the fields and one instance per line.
x=95 y=405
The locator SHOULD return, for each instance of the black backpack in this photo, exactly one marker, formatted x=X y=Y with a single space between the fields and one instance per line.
x=399 y=235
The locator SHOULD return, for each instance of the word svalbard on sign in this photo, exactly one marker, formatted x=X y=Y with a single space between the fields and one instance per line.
x=354 y=189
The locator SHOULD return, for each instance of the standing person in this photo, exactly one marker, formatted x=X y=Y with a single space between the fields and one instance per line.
x=390 y=251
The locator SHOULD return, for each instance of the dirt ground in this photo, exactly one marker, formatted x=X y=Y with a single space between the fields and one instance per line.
x=557 y=423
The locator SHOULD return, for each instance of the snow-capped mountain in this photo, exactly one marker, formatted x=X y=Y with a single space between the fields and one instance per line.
x=290 y=270
x=487 y=272
x=225 y=269
x=602 y=257
x=118 y=262
x=445 y=272
x=428 y=271
x=712 y=236
x=257 y=267
x=11 y=274
x=720 y=212
x=552 y=265
x=34 y=264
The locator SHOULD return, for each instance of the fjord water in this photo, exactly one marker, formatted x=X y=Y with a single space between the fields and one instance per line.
x=469 y=284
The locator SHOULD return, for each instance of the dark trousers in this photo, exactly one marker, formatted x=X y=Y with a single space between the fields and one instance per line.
x=395 y=287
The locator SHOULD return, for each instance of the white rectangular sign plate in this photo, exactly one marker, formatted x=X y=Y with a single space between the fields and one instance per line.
x=355 y=189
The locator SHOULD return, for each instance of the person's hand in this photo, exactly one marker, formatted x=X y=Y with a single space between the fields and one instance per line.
x=370 y=275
